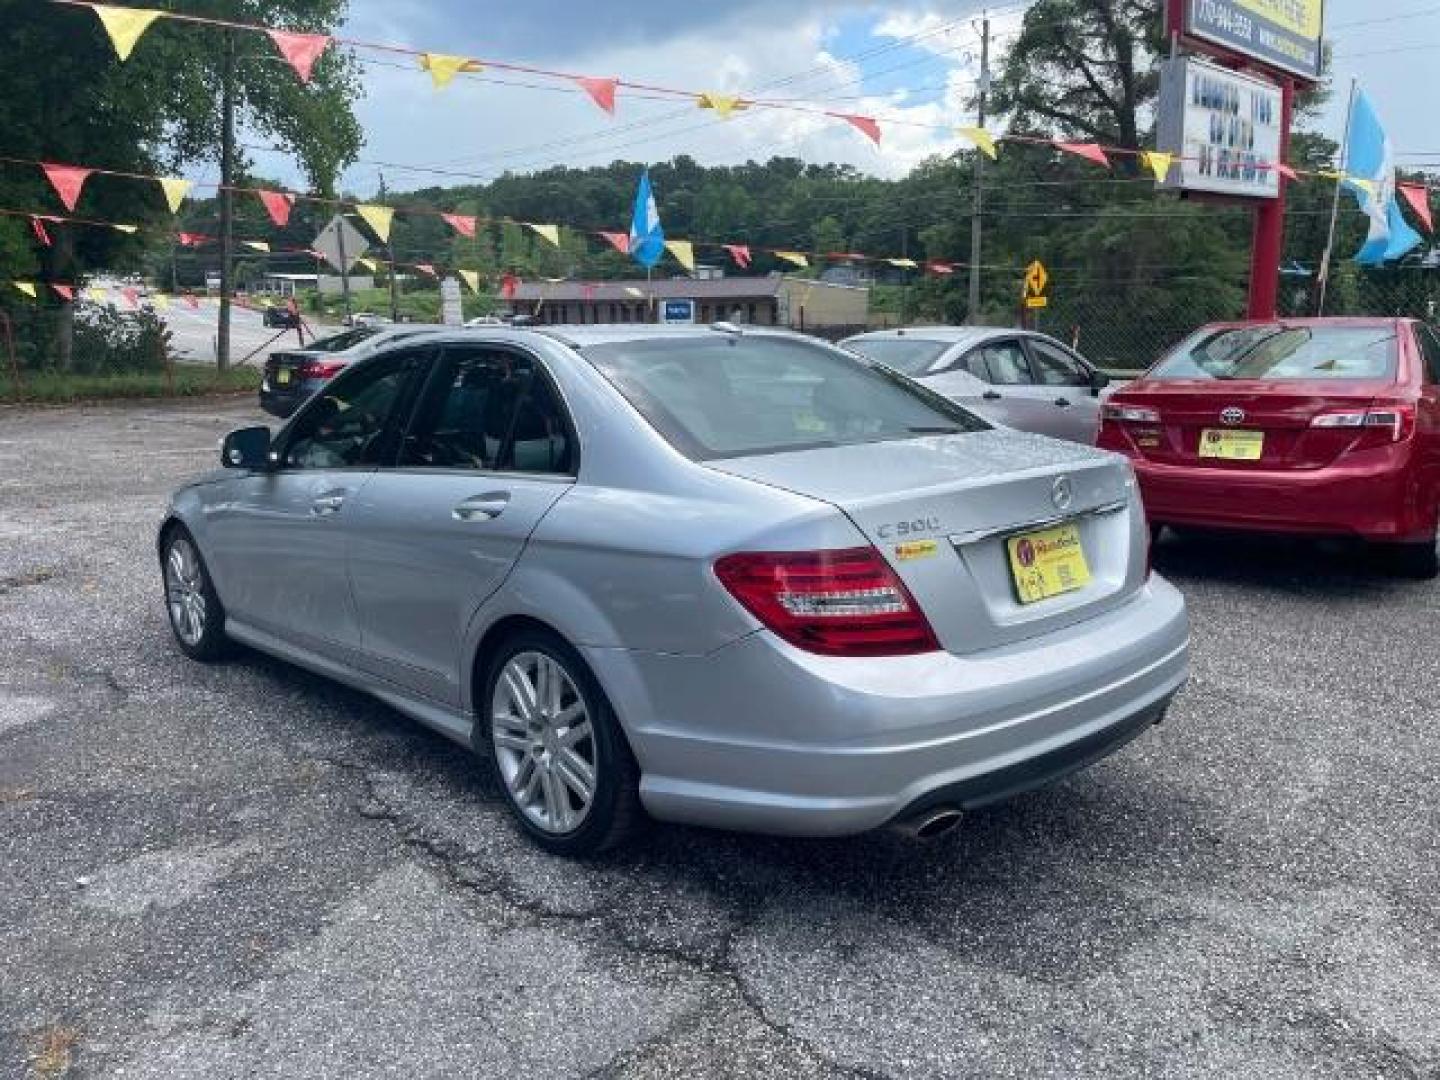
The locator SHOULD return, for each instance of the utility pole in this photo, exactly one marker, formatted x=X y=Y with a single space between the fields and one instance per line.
x=972 y=311
x=390 y=256
x=227 y=195
x=344 y=264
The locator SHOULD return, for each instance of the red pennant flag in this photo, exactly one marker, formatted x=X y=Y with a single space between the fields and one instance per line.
x=302 y=50
x=940 y=268
x=587 y=292
x=277 y=205
x=190 y=239
x=865 y=124
x=463 y=224
x=619 y=241
x=601 y=91
x=67 y=181
x=426 y=268
x=67 y=292
x=1287 y=172
x=508 y=284
x=190 y=300
x=1418 y=196
x=1088 y=151
x=132 y=296
x=38 y=227
x=740 y=253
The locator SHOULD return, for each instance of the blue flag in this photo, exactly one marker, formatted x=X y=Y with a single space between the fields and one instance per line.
x=647 y=238
x=1371 y=158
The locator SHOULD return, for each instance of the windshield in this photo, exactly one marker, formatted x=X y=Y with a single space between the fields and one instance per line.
x=344 y=340
x=727 y=396
x=1284 y=352
x=906 y=355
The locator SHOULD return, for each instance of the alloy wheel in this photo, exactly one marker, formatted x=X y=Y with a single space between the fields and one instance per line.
x=544 y=742
x=185 y=592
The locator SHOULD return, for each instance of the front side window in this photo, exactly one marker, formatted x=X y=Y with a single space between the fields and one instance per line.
x=490 y=409
x=909 y=356
x=1278 y=351
x=1055 y=367
x=1005 y=363
x=353 y=422
x=720 y=395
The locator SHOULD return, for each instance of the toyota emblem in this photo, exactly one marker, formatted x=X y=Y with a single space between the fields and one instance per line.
x=1062 y=494
x=1233 y=416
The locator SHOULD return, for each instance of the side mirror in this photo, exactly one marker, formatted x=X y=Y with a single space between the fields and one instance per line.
x=247 y=448
x=1098 y=381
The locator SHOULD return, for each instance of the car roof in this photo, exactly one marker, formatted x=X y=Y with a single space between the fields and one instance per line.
x=1339 y=321
x=947 y=335
x=580 y=336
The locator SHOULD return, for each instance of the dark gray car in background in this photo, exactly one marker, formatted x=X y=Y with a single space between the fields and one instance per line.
x=292 y=375
x=1018 y=378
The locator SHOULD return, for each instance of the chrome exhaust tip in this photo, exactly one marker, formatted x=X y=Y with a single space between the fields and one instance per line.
x=933 y=823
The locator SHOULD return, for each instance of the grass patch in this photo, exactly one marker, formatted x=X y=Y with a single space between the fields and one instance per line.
x=189 y=380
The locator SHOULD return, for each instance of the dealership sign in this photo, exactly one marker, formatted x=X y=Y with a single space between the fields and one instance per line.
x=1282 y=34
x=1223 y=129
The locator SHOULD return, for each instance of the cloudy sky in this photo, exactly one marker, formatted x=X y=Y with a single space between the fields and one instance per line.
x=914 y=60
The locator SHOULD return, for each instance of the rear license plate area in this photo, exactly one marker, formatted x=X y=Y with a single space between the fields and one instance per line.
x=1232 y=445
x=1047 y=563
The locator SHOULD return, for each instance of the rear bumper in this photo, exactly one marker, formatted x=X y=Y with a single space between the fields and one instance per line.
x=1372 y=500
x=762 y=737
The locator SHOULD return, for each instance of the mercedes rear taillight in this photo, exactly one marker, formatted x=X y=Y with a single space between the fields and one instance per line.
x=835 y=603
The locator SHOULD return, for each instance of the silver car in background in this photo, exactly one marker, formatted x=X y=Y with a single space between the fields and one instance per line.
x=732 y=578
x=1018 y=378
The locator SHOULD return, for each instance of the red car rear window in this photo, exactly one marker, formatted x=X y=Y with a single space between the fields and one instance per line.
x=1279 y=351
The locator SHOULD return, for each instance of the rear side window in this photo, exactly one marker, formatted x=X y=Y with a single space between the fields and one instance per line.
x=1278 y=351
x=725 y=396
x=490 y=409
x=1006 y=364
x=1055 y=367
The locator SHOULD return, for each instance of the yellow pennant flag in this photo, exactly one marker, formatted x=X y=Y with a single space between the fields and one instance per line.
x=97 y=294
x=1158 y=163
x=904 y=264
x=471 y=278
x=684 y=252
x=161 y=300
x=980 y=138
x=126 y=229
x=443 y=67
x=369 y=264
x=549 y=232
x=723 y=104
x=175 y=191
x=28 y=288
x=793 y=257
x=125 y=25
x=256 y=245
x=377 y=217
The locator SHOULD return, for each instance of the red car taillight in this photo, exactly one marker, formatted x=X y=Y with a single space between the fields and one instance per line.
x=836 y=603
x=319 y=369
x=1380 y=425
x=1120 y=413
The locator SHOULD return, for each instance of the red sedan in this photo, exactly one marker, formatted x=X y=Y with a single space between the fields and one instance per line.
x=1323 y=427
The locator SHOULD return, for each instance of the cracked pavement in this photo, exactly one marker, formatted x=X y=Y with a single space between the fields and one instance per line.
x=244 y=870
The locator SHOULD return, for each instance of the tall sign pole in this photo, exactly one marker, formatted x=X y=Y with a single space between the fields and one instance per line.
x=972 y=311
x=1268 y=241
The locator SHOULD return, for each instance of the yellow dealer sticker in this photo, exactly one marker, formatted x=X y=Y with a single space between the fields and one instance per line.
x=916 y=549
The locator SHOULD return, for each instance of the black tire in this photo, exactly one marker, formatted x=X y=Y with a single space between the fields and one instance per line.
x=211 y=643
x=614 y=814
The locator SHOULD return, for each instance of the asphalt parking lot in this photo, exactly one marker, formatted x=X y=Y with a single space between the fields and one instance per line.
x=243 y=870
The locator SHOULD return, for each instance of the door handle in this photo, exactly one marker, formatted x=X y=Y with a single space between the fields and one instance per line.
x=991 y=395
x=1064 y=403
x=482 y=507
x=326 y=505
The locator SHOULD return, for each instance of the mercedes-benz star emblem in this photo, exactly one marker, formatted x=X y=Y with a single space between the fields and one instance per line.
x=1062 y=494
x=1233 y=416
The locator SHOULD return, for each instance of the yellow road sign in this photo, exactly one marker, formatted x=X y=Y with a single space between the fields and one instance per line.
x=1033 y=302
x=1036 y=278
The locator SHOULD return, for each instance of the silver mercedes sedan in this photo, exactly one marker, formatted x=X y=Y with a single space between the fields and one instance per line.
x=729 y=577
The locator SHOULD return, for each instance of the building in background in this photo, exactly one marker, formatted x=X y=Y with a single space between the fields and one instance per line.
x=799 y=303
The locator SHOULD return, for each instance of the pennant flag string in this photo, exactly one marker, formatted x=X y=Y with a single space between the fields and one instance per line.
x=278 y=205
x=866 y=125
x=684 y=252
x=175 y=190
x=377 y=217
x=1418 y=197
x=300 y=50
x=464 y=224
x=67 y=180
x=124 y=25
